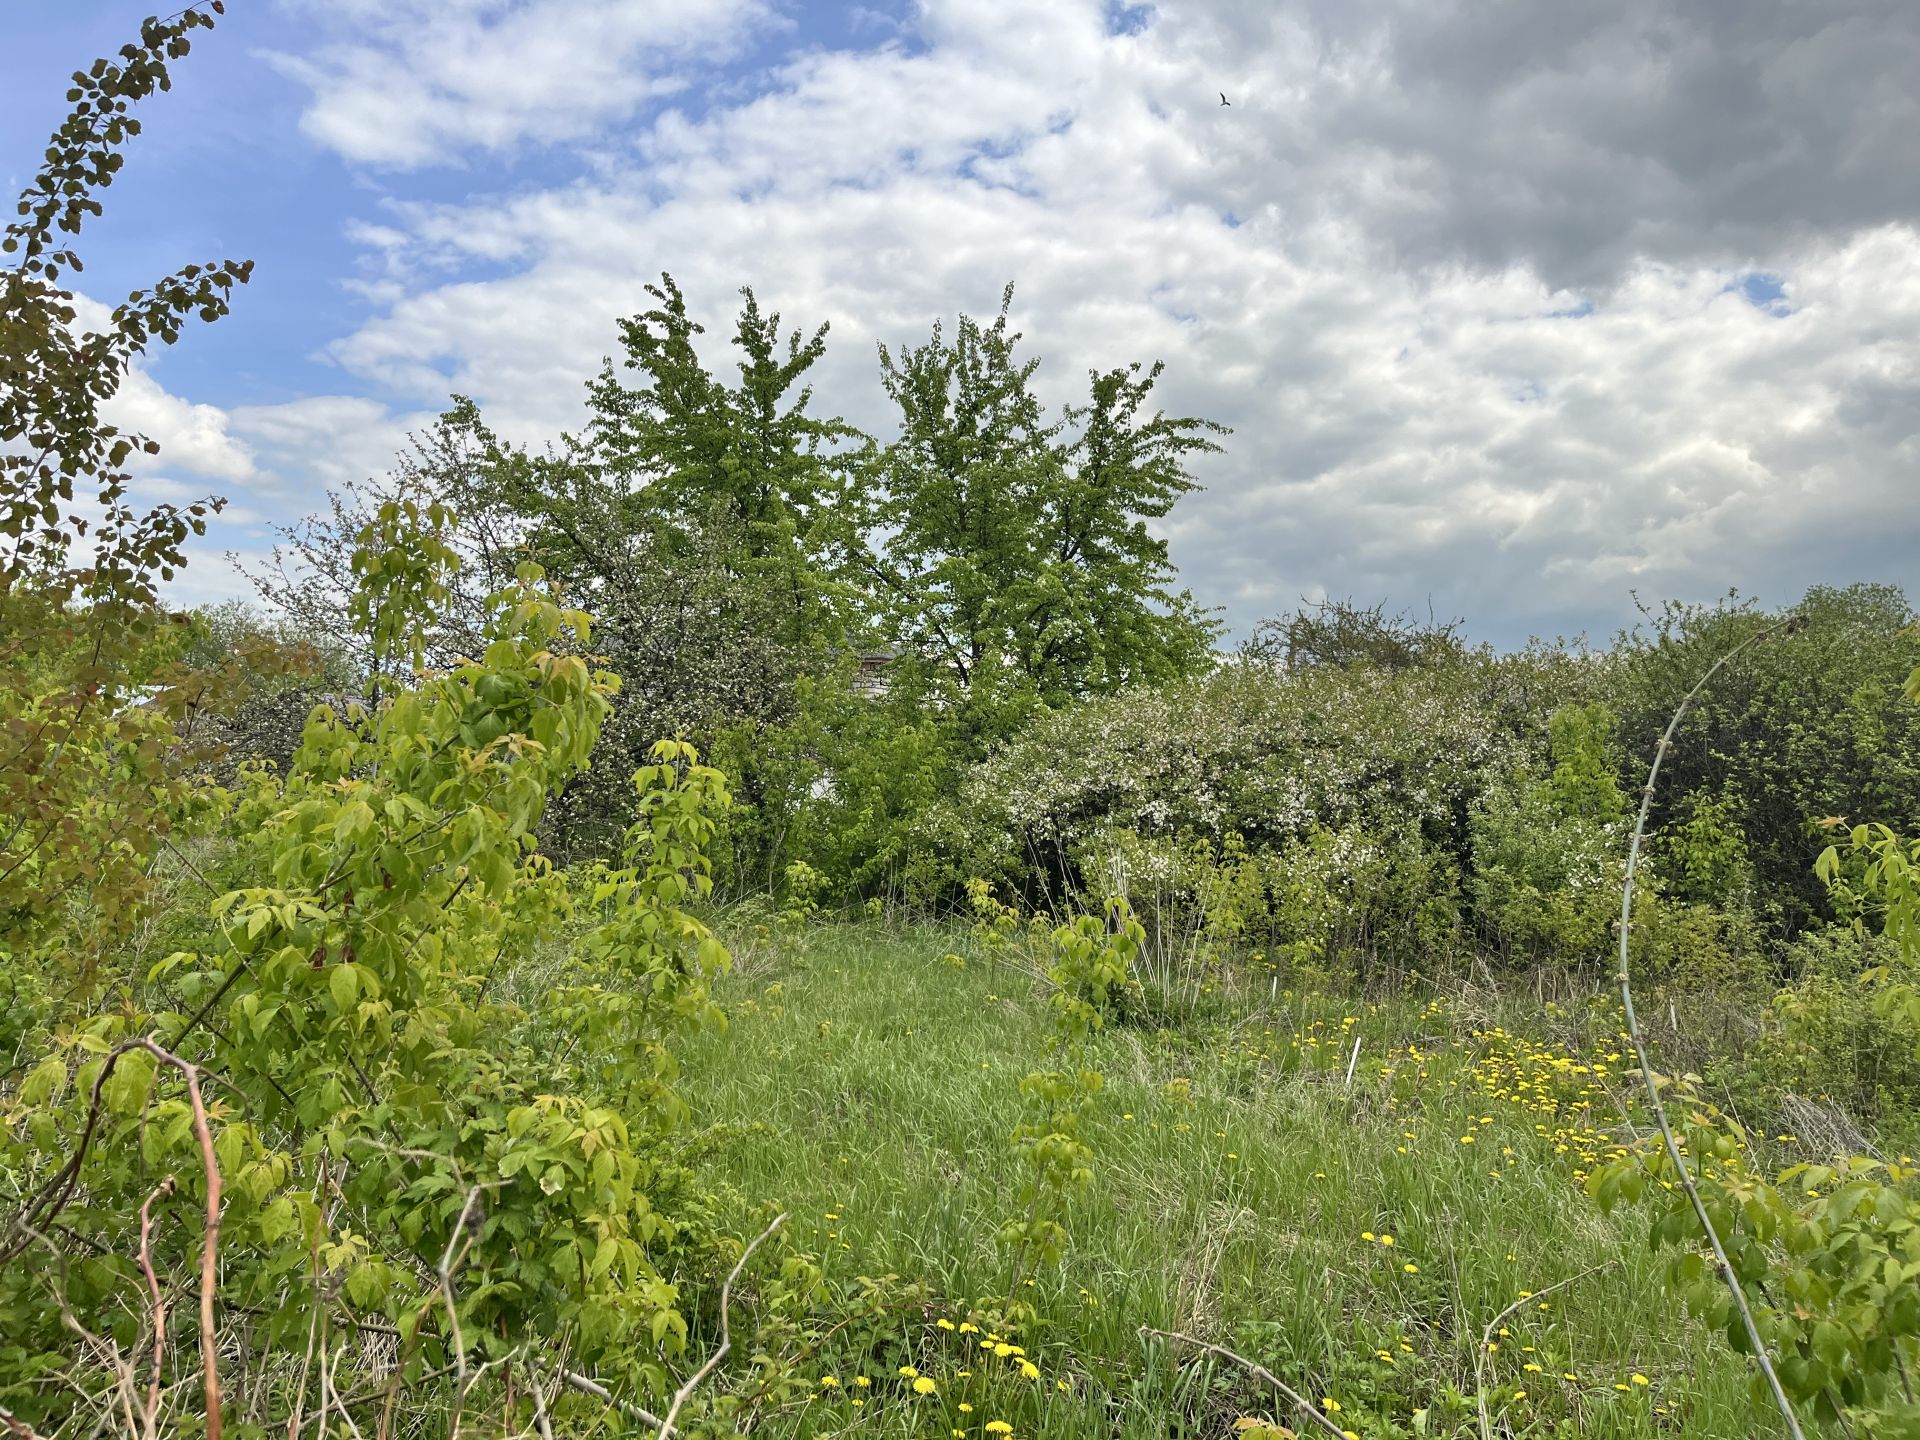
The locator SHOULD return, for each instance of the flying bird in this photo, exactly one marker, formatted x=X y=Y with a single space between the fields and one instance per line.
x=1223 y=98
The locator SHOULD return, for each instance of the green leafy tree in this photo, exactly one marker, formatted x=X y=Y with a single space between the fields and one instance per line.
x=708 y=524
x=1017 y=563
x=682 y=449
x=89 y=779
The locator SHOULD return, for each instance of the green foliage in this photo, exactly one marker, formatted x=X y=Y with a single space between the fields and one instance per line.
x=848 y=783
x=1016 y=564
x=1839 y=1034
x=804 y=888
x=1092 y=977
x=1811 y=724
x=1828 y=1256
x=1092 y=971
x=1402 y=757
x=1704 y=857
x=341 y=996
x=401 y=561
x=683 y=444
x=1549 y=855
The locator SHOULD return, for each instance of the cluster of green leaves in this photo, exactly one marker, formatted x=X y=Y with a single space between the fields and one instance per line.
x=1828 y=1255
x=1811 y=725
x=390 y=1117
x=803 y=890
x=1548 y=854
x=1091 y=972
x=1017 y=567
x=745 y=555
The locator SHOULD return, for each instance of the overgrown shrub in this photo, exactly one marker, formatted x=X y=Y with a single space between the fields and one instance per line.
x=1252 y=750
x=1811 y=724
x=1829 y=1037
x=1549 y=854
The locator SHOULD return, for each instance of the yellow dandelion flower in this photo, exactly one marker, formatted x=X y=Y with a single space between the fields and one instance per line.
x=924 y=1386
x=964 y=1408
x=997 y=1427
x=1411 y=1268
x=1029 y=1369
x=908 y=1372
x=1640 y=1379
x=862 y=1381
x=829 y=1382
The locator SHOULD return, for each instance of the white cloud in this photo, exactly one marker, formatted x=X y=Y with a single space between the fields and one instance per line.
x=1475 y=316
x=194 y=438
x=405 y=83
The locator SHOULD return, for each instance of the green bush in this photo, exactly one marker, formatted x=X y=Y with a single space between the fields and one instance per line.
x=1810 y=724
x=1831 y=1035
x=1549 y=855
x=1267 y=754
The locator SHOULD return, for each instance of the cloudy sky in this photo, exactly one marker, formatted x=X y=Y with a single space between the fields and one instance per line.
x=1516 y=309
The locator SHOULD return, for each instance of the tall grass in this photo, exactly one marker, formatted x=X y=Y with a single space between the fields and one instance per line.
x=869 y=1083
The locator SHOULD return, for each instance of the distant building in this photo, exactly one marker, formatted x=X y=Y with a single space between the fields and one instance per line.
x=870 y=678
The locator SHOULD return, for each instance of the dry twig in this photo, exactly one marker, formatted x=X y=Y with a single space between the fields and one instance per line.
x=1486 y=1339
x=1292 y=1396
x=726 y=1330
x=587 y=1385
x=151 y=1413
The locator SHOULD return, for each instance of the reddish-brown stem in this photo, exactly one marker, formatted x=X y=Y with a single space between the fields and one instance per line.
x=151 y=1414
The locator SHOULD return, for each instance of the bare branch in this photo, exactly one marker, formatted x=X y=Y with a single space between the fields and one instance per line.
x=1287 y=1392
x=587 y=1385
x=1486 y=1339
x=151 y=1414
x=459 y=1241
x=726 y=1331
x=540 y=1421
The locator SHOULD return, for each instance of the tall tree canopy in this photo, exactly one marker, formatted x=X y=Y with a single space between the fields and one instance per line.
x=1017 y=562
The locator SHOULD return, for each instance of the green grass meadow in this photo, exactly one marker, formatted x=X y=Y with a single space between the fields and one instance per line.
x=1356 y=1237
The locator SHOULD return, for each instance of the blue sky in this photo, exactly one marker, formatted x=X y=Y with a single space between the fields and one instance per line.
x=1519 y=319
